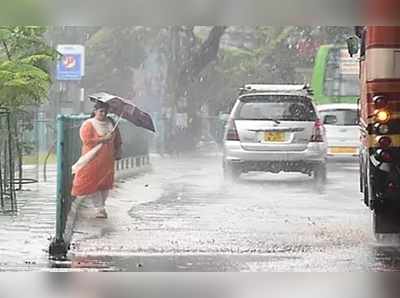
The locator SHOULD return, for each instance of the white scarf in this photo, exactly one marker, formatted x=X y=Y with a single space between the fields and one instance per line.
x=102 y=128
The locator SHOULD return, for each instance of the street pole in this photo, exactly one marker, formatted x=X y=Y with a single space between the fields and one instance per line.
x=82 y=101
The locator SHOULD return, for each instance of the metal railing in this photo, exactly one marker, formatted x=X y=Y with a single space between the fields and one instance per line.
x=8 y=201
x=68 y=150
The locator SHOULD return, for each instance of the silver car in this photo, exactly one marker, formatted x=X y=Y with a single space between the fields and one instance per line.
x=275 y=128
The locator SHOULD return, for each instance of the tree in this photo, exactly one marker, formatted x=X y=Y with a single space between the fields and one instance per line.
x=187 y=57
x=115 y=57
x=269 y=55
x=113 y=54
x=24 y=80
x=24 y=66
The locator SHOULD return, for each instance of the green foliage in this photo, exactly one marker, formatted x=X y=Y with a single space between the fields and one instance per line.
x=24 y=66
x=112 y=55
x=22 y=83
x=271 y=57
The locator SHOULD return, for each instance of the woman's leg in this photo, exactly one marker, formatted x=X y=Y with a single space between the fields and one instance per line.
x=98 y=204
x=104 y=196
x=97 y=200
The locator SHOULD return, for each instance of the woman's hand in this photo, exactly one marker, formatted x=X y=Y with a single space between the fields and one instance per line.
x=106 y=138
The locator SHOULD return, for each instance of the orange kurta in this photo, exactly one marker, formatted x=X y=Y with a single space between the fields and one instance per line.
x=98 y=174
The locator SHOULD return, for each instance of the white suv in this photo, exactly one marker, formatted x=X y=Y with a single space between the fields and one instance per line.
x=342 y=129
x=275 y=128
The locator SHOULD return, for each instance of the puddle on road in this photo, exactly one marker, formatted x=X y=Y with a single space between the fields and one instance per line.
x=387 y=255
x=166 y=263
x=374 y=258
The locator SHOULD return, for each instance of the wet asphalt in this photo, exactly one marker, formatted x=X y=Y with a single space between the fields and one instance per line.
x=183 y=216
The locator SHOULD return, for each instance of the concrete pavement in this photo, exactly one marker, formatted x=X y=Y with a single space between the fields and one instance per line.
x=25 y=236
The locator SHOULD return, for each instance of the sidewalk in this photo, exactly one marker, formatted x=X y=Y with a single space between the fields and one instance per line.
x=25 y=236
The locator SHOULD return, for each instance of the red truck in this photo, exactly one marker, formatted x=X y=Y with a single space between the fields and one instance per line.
x=380 y=123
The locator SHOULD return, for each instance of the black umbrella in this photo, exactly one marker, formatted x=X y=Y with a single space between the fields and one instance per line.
x=125 y=108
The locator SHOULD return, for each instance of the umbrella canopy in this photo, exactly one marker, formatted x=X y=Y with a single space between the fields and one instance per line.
x=125 y=108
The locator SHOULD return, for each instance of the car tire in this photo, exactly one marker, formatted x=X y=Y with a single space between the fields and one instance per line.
x=231 y=173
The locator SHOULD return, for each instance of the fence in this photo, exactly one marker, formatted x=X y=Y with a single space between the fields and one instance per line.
x=7 y=187
x=134 y=154
x=17 y=147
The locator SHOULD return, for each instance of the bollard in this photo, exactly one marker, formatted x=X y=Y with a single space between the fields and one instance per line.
x=58 y=247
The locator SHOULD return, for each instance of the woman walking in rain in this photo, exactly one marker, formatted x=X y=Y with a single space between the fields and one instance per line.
x=94 y=171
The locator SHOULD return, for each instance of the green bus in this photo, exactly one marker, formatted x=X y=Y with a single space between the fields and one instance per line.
x=335 y=77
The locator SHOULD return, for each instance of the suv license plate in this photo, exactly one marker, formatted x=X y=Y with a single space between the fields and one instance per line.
x=276 y=136
x=348 y=150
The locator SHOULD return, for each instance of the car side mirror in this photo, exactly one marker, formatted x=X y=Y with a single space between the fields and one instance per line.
x=330 y=119
x=352 y=45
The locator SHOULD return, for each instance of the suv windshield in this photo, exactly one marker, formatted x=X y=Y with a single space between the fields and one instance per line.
x=343 y=117
x=275 y=107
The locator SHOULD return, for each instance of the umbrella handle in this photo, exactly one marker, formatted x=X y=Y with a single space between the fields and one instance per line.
x=116 y=123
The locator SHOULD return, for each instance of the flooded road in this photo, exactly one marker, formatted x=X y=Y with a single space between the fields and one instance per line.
x=183 y=217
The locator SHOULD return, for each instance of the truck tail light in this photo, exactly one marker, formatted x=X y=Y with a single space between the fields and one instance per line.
x=231 y=132
x=381 y=128
x=384 y=155
x=318 y=132
x=392 y=187
x=385 y=142
x=382 y=116
x=380 y=102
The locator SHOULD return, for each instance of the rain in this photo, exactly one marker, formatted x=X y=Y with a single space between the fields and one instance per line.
x=200 y=149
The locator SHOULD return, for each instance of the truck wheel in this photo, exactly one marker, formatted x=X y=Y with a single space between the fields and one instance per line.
x=369 y=190
x=385 y=221
x=366 y=195
x=379 y=226
x=361 y=175
x=364 y=184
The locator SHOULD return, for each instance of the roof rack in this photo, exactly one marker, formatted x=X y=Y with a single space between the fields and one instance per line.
x=273 y=88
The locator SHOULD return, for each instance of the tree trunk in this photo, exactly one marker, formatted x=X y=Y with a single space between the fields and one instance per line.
x=187 y=60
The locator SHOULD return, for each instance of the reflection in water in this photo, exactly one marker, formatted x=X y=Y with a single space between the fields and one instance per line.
x=382 y=258
x=386 y=252
x=90 y=262
x=156 y=263
x=83 y=263
x=387 y=258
